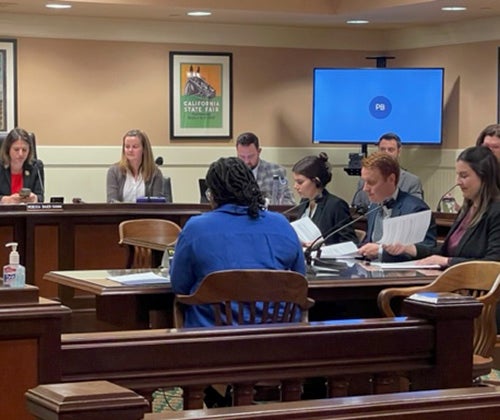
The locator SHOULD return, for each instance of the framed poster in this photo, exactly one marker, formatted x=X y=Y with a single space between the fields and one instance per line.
x=8 y=85
x=200 y=95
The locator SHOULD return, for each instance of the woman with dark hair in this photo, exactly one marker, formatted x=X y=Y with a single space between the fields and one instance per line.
x=475 y=234
x=329 y=212
x=238 y=234
x=490 y=137
x=18 y=170
x=136 y=174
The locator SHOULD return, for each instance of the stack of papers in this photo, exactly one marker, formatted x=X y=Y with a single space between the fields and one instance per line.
x=406 y=229
x=141 y=278
x=342 y=250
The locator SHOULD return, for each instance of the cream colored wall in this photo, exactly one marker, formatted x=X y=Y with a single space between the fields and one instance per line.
x=83 y=82
x=80 y=171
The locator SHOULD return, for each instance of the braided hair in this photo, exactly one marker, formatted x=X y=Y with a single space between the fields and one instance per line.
x=231 y=181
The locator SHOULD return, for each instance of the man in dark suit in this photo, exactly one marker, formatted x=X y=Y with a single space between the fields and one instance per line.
x=266 y=173
x=380 y=174
x=390 y=143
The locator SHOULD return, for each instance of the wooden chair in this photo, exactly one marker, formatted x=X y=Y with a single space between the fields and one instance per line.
x=480 y=279
x=248 y=288
x=143 y=237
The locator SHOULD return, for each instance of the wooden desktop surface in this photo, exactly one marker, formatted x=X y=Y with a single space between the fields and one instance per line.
x=350 y=293
x=85 y=236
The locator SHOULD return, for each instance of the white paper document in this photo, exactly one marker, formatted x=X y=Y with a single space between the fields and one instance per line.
x=141 y=278
x=403 y=265
x=342 y=250
x=407 y=229
x=306 y=230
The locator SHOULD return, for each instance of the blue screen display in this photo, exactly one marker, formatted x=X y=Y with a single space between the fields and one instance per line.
x=359 y=105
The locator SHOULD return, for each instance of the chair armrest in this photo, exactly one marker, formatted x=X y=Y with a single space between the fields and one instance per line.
x=385 y=296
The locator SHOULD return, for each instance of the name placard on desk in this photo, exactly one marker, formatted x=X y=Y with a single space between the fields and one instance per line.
x=44 y=206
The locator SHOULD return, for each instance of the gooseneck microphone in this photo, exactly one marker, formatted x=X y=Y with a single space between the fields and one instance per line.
x=438 y=208
x=159 y=161
x=36 y=164
x=303 y=203
x=319 y=241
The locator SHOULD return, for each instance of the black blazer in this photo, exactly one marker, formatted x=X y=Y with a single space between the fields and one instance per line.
x=32 y=179
x=480 y=242
x=332 y=213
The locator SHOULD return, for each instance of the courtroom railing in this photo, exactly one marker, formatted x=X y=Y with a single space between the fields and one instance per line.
x=108 y=401
x=355 y=356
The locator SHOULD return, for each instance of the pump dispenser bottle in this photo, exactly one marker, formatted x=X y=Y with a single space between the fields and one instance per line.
x=14 y=274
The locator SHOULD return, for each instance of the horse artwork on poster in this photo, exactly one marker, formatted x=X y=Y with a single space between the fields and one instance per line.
x=196 y=85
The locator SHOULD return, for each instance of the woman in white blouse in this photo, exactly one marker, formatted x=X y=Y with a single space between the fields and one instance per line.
x=136 y=174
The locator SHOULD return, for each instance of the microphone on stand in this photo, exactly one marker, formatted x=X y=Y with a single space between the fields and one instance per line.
x=36 y=164
x=443 y=196
x=303 y=203
x=319 y=241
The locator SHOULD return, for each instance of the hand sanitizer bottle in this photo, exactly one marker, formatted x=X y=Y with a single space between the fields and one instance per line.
x=14 y=274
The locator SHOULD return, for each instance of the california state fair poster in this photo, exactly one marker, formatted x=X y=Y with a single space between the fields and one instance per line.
x=200 y=95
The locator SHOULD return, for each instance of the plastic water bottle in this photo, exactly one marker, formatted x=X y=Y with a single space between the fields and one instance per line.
x=276 y=190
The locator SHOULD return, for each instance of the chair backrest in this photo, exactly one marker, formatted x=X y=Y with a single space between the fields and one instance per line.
x=202 y=186
x=167 y=189
x=143 y=236
x=479 y=279
x=250 y=297
x=3 y=135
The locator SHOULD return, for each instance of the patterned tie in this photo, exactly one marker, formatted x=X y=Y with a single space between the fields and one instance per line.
x=378 y=225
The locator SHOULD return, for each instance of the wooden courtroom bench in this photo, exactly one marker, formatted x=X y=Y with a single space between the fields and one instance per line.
x=431 y=350
x=30 y=342
x=104 y=401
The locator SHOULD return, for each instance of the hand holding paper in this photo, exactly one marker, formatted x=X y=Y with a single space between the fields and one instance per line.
x=306 y=230
x=407 y=229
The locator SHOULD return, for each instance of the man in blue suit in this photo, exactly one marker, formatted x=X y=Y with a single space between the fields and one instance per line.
x=380 y=173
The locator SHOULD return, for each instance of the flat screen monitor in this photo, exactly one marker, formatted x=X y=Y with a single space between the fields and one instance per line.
x=358 y=105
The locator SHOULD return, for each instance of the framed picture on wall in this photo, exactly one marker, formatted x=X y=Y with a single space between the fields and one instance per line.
x=8 y=85
x=200 y=95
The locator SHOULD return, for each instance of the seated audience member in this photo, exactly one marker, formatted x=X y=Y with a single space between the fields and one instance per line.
x=380 y=174
x=237 y=234
x=329 y=212
x=490 y=137
x=136 y=174
x=248 y=150
x=390 y=143
x=19 y=170
x=475 y=234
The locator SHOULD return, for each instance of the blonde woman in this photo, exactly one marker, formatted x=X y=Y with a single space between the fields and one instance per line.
x=136 y=174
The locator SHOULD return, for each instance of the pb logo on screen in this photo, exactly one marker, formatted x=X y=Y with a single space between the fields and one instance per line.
x=380 y=107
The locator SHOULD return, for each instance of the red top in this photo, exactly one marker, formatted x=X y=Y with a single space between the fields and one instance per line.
x=16 y=183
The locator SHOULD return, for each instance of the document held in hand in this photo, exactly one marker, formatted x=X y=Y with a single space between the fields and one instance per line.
x=407 y=229
x=306 y=230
